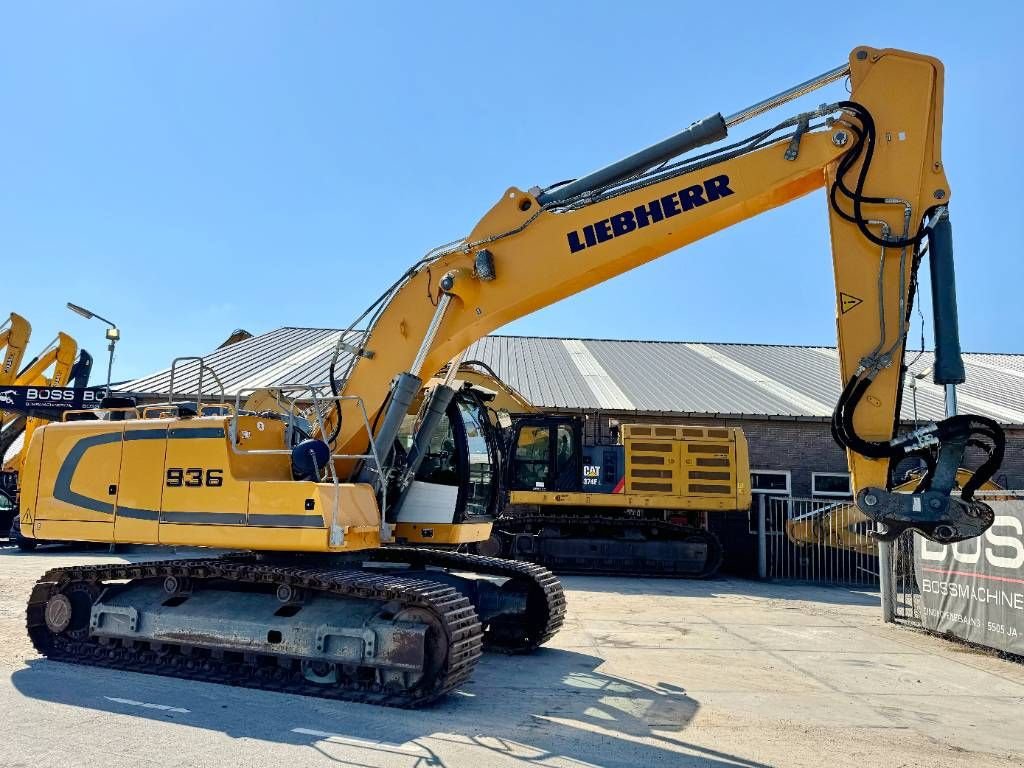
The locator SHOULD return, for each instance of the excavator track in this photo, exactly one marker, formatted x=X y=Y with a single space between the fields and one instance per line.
x=545 y=606
x=609 y=546
x=70 y=595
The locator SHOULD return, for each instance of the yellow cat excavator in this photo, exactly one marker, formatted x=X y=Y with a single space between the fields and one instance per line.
x=637 y=504
x=328 y=601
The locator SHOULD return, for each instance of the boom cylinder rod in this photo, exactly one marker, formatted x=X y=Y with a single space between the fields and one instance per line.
x=949 y=363
x=787 y=95
x=707 y=131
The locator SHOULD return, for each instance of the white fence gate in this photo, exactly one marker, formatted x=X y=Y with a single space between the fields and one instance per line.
x=816 y=541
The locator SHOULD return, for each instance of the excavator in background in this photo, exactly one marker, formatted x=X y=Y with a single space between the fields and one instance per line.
x=637 y=505
x=345 y=590
x=14 y=335
x=55 y=368
x=50 y=367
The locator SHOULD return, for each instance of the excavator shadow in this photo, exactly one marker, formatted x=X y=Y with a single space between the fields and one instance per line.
x=554 y=705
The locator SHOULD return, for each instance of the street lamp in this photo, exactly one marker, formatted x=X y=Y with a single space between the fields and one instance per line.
x=113 y=334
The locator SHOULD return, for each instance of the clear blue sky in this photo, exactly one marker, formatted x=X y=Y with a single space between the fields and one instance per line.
x=187 y=168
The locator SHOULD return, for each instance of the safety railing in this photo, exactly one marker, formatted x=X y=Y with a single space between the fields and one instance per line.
x=292 y=397
x=203 y=369
x=818 y=541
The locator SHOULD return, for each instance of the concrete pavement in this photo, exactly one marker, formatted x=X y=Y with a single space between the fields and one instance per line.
x=645 y=673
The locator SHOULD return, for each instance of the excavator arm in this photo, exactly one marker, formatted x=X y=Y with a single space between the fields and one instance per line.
x=26 y=423
x=877 y=154
x=14 y=336
x=50 y=368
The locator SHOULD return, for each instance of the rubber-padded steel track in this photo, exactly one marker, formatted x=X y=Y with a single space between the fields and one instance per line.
x=572 y=526
x=545 y=609
x=453 y=613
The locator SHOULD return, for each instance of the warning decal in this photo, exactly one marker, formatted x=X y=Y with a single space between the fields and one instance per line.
x=848 y=302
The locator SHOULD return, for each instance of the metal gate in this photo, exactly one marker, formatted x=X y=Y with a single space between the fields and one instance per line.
x=815 y=540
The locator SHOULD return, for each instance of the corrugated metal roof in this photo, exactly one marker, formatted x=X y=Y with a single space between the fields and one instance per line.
x=652 y=376
x=284 y=356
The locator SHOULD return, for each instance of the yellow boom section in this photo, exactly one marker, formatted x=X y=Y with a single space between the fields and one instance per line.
x=14 y=336
x=537 y=258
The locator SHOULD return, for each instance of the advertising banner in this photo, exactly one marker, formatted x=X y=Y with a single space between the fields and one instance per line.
x=40 y=401
x=974 y=590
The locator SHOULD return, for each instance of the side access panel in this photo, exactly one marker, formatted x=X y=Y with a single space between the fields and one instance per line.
x=198 y=488
x=140 y=490
x=703 y=464
x=78 y=477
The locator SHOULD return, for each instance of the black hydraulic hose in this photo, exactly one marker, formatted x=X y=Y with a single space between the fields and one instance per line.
x=871 y=449
x=337 y=405
x=866 y=144
x=838 y=433
x=982 y=474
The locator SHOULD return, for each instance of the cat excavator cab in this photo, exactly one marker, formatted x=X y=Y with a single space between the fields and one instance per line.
x=325 y=600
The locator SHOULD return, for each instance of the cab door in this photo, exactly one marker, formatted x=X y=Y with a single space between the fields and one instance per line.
x=546 y=455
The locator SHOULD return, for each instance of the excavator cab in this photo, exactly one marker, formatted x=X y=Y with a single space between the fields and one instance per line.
x=546 y=454
x=457 y=480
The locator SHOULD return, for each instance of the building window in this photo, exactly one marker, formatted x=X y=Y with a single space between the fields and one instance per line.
x=768 y=482
x=831 y=485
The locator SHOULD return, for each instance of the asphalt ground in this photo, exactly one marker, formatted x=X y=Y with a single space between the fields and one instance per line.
x=645 y=673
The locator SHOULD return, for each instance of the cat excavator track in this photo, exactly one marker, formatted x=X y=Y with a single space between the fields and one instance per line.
x=608 y=546
x=421 y=640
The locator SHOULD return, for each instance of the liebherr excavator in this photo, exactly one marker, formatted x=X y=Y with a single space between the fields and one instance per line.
x=325 y=603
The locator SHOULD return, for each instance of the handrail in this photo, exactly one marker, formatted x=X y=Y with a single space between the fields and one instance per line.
x=337 y=536
x=203 y=367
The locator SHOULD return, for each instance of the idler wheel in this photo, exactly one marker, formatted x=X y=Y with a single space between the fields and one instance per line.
x=58 y=613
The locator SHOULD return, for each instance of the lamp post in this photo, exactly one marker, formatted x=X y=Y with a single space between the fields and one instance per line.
x=113 y=335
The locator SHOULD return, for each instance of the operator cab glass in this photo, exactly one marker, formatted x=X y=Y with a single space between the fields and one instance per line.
x=461 y=453
x=546 y=456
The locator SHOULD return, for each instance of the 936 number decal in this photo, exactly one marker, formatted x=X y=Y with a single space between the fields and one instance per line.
x=194 y=477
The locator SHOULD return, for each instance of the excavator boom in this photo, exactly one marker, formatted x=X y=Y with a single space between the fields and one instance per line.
x=879 y=158
x=14 y=336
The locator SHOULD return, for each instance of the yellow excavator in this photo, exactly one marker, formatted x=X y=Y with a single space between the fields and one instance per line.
x=14 y=335
x=337 y=595
x=58 y=366
x=53 y=367
x=637 y=504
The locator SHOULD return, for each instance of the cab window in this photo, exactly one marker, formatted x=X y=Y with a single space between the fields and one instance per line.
x=533 y=449
x=481 y=469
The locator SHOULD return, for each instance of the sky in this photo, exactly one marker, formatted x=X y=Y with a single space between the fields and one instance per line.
x=188 y=168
